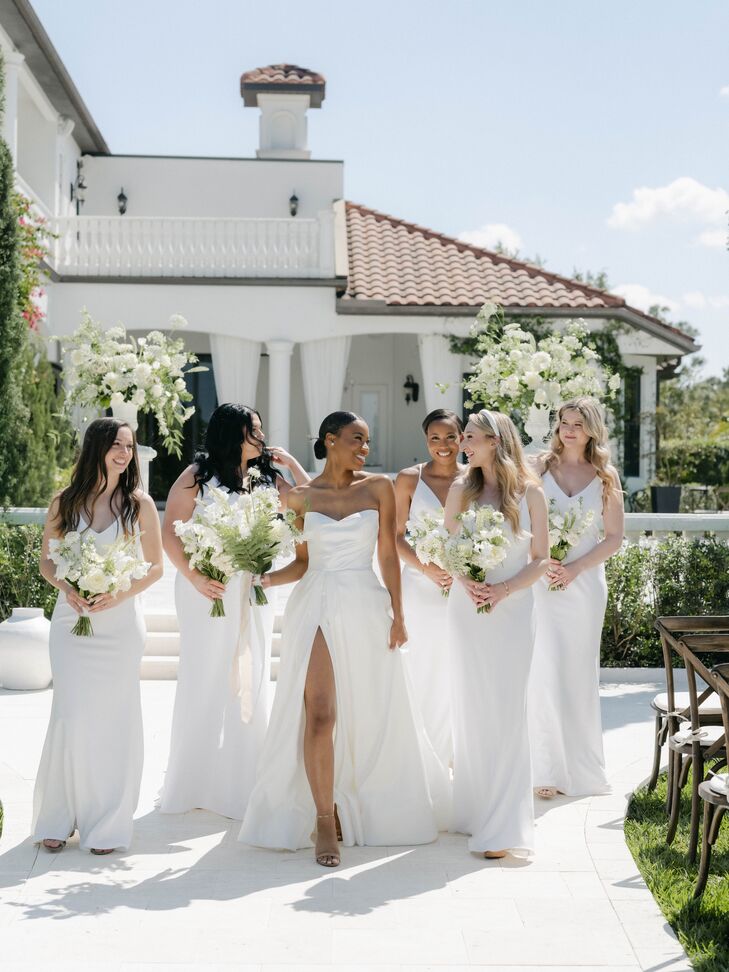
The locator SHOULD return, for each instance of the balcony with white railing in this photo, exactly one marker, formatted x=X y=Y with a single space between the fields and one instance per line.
x=228 y=247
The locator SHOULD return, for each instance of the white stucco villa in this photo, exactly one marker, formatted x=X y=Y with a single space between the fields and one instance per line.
x=303 y=301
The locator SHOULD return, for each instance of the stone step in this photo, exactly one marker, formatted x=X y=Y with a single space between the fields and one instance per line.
x=162 y=652
x=159 y=667
x=165 y=643
x=161 y=621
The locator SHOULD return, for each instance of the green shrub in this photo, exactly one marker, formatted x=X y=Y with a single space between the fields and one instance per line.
x=671 y=576
x=704 y=461
x=21 y=584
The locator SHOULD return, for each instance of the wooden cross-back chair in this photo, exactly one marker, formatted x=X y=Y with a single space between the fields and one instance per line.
x=715 y=798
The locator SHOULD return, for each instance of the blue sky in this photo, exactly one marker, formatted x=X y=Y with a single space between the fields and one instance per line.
x=594 y=135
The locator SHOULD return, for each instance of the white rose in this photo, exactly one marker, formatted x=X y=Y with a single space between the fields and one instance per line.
x=156 y=391
x=541 y=360
x=139 y=397
x=142 y=375
x=532 y=379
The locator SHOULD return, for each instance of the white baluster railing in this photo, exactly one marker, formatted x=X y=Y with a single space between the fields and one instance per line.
x=124 y=246
x=638 y=525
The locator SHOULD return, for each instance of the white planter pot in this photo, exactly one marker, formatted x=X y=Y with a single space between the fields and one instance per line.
x=25 y=661
x=126 y=412
x=537 y=428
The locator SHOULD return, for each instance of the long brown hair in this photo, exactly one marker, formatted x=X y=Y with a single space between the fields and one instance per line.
x=512 y=474
x=597 y=451
x=89 y=479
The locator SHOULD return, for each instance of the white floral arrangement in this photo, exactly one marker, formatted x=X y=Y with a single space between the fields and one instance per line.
x=92 y=572
x=516 y=370
x=258 y=533
x=110 y=367
x=566 y=530
x=427 y=535
x=479 y=545
x=202 y=540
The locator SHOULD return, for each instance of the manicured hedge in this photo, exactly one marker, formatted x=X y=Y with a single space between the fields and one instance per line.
x=671 y=576
x=704 y=461
x=21 y=584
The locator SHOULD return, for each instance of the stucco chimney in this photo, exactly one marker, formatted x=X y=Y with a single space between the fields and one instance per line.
x=284 y=93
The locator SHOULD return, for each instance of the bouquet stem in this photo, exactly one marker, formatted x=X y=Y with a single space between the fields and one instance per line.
x=260 y=594
x=484 y=609
x=218 y=608
x=83 y=626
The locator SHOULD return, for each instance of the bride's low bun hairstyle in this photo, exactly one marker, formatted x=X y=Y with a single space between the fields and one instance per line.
x=332 y=425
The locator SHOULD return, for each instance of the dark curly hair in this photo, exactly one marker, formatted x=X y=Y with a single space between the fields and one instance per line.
x=229 y=427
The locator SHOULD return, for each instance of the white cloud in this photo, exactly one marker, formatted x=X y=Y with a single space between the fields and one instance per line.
x=724 y=92
x=683 y=200
x=490 y=235
x=694 y=299
x=641 y=297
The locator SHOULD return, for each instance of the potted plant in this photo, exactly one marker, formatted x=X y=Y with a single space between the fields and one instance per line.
x=665 y=498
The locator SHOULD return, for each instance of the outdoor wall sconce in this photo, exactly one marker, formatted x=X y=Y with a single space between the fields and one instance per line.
x=122 y=202
x=293 y=204
x=412 y=389
x=78 y=187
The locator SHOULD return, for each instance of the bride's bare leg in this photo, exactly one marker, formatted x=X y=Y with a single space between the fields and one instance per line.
x=321 y=710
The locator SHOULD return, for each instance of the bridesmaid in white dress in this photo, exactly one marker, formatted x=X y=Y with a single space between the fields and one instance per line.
x=343 y=737
x=492 y=652
x=564 y=701
x=215 y=744
x=91 y=767
x=420 y=489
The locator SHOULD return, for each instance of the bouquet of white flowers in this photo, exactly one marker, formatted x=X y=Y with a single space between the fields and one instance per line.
x=480 y=545
x=427 y=535
x=202 y=540
x=259 y=533
x=91 y=572
x=565 y=531
x=516 y=371
x=107 y=368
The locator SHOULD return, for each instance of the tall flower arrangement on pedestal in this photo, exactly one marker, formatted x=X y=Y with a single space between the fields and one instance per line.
x=110 y=368
x=517 y=373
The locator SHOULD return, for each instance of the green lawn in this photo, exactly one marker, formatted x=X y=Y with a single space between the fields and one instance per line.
x=702 y=927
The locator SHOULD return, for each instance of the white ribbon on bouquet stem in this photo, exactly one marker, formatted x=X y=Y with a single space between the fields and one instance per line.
x=242 y=674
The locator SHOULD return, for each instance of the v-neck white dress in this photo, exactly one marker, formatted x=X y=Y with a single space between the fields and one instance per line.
x=91 y=767
x=564 y=702
x=427 y=658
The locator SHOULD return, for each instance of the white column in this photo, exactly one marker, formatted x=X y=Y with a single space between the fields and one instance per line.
x=440 y=366
x=647 y=418
x=13 y=62
x=279 y=392
x=324 y=368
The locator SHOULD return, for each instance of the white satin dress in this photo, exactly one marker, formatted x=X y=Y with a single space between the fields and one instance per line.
x=427 y=658
x=564 y=701
x=491 y=658
x=381 y=755
x=213 y=751
x=91 y=767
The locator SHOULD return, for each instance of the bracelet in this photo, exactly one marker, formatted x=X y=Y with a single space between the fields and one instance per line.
x=506 y=588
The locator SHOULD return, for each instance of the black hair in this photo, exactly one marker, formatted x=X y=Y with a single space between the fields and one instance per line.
x=229 y=427
x=332 y=425
x=442 y=415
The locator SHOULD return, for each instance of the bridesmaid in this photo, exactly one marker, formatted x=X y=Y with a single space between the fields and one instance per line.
x=419 y=489
x=492 y=652
x=91 y=767
x=213 y=751
x=564 y=701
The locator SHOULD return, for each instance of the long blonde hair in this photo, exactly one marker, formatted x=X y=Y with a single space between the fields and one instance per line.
x=597 y=451
x=512 y=473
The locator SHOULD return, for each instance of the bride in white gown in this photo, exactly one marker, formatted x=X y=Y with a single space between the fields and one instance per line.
x=492 y=652
x=564 y=701
x=344 y=739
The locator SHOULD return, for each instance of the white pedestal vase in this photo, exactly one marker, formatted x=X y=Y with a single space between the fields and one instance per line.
x=127 y=412
x=25 y=661
x=537 y=428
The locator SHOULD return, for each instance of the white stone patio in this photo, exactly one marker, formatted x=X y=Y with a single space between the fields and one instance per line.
x=188 y=896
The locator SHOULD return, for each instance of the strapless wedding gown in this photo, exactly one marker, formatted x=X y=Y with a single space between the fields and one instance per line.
x=91 y=767
x=381 y=752
x=564 y=700
x=492 y=655
x=213 y=751
x=427 y=658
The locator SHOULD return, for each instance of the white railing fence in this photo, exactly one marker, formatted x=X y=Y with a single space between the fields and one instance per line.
x=127 y=246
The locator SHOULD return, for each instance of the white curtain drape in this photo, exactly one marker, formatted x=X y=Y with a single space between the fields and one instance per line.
x=324 y=369
x=235 y=368
x=440 y=366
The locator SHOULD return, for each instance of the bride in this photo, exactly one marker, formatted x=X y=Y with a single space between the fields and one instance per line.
x=343 y=745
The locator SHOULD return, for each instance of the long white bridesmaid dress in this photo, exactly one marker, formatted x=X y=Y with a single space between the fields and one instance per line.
x=427 y=658
x=380 y=749
x=213 y=751
x=491 y=656
x=564 y=701
x=91 y=767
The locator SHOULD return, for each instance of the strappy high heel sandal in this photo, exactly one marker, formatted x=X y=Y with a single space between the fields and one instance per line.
x=327 y=856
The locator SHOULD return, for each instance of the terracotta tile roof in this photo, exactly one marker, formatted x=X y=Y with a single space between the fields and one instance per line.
x=399 y=264
x=283 y=78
